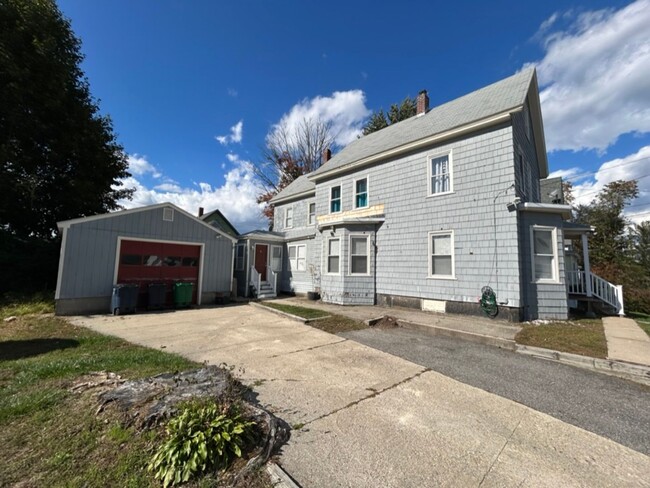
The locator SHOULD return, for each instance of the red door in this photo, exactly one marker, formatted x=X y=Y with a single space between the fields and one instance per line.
x=261 y=258
x=144 y=262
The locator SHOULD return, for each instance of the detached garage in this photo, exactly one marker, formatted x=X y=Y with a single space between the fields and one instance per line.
x=142 y=246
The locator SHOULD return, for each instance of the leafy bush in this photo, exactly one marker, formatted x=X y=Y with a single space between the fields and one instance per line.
x=636 y=299
x=203 y=437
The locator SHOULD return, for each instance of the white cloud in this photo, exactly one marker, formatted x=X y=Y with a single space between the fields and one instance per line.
x=595 y=77
x=236 y=134
x=139 y=166
x=344 y=110
x=565 y=173
x=236 y=198
x=631 y=167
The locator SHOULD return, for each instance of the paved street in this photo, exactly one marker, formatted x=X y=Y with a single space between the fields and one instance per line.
x=363 y=418
x=606 y=405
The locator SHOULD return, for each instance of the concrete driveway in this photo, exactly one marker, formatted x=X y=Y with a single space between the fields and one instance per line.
x=365 y=418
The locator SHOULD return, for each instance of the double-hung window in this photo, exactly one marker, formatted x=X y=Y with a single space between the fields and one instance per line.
x=440 y=174
x=544 y=254
x=441 y=254
x=359 y=255
x=239 y=257
x=312 y=213
x=288 y=218
x=361 y=193
x=335 y=199
x=333 y=255
x=297 y=257
x=276 y=258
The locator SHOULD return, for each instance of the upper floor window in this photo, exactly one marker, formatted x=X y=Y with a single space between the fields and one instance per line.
x=441 y=254
x=544 y=254
x=361 y=193
x=312 y=213
x=335 y=199
x=440 y=174
x=288 y=218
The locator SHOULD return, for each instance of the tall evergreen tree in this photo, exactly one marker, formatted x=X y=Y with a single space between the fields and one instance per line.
x=59 y=156
x=396 y=113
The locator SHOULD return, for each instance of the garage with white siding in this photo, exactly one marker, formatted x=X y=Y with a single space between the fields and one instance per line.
x=155 y=244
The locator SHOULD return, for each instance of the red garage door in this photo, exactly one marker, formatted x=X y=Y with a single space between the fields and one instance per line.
x=145 y=262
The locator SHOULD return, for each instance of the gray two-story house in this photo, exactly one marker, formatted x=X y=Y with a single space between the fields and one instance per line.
x=427 y=212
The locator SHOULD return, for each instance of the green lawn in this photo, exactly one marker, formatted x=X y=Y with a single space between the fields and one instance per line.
x=642 y=319
x=585 y=337
x=304 y=312
x=51 y=436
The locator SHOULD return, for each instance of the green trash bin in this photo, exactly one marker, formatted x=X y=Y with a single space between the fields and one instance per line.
x=183 y=294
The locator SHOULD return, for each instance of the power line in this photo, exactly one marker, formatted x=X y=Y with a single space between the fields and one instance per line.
x=593 y=192
x=609 y=168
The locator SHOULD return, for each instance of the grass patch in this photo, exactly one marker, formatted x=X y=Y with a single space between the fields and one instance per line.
x=304 y=312
x=19 y=305
x=52 y=437
x=585 y=337
x=335 y=324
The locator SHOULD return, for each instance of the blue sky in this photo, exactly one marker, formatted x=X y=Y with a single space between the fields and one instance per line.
x=194 y=87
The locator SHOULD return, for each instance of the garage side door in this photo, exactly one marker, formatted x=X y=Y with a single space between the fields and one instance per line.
x=145 y=262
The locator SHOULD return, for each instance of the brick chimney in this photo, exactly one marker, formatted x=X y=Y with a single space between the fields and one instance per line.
x=422 y=103
x=327 y=155
x=201 y=211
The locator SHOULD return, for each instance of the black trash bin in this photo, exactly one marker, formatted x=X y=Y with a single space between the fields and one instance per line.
x=124 y=298
x=157 y=296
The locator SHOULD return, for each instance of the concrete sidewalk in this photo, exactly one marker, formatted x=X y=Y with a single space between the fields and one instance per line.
x=626 y=341
x=478 y=329
x=364 y=418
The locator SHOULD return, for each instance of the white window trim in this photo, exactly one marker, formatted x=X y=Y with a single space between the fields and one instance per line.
x=168 y=214
x=286 y=217
x=327 y=255
x=450 y=160
x=556 y=264
x=293 y=267
x=340 y=199
x=243 y=258
x=354 y=191
x=452 y=276
x=280 y=268
x=309 y=214
x=350 y=273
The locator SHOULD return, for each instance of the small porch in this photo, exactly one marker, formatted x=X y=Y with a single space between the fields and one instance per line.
x=260 y=263
x=582 y=284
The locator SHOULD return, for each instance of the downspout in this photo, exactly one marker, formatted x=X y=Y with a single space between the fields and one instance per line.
x=374 y=274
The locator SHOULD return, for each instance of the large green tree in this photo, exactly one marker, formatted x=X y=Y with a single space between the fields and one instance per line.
x=397 y=112
x=59 y=156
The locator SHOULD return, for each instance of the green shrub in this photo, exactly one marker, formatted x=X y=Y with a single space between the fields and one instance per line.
x=203 y=437
x=636 y=299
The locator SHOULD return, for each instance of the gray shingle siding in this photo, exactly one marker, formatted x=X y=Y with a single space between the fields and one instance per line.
x=531 y=168
x=88 y=266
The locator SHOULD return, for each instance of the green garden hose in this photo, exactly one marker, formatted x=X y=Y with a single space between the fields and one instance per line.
x=488 y=302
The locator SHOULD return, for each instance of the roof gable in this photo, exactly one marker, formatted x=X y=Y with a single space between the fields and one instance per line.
x=67 y=223
x=300 y=187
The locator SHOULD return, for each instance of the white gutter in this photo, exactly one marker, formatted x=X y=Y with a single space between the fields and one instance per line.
x=553 y=208
x=295 y=196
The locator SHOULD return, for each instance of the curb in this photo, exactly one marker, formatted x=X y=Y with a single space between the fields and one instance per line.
x=459 y=334
x=286 y=314
x=630 y=371
x=279 y=477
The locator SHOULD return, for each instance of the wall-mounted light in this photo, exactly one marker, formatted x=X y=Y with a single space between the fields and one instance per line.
x=512 y=206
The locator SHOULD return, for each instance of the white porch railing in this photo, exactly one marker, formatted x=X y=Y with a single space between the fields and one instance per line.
x=255 y=279
x=272 y=278
x=581 y=283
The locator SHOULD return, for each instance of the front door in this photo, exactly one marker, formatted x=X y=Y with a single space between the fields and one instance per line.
x=261 y=259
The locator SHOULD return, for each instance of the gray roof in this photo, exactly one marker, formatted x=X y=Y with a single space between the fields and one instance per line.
x=298 y=186
x=497 y=98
